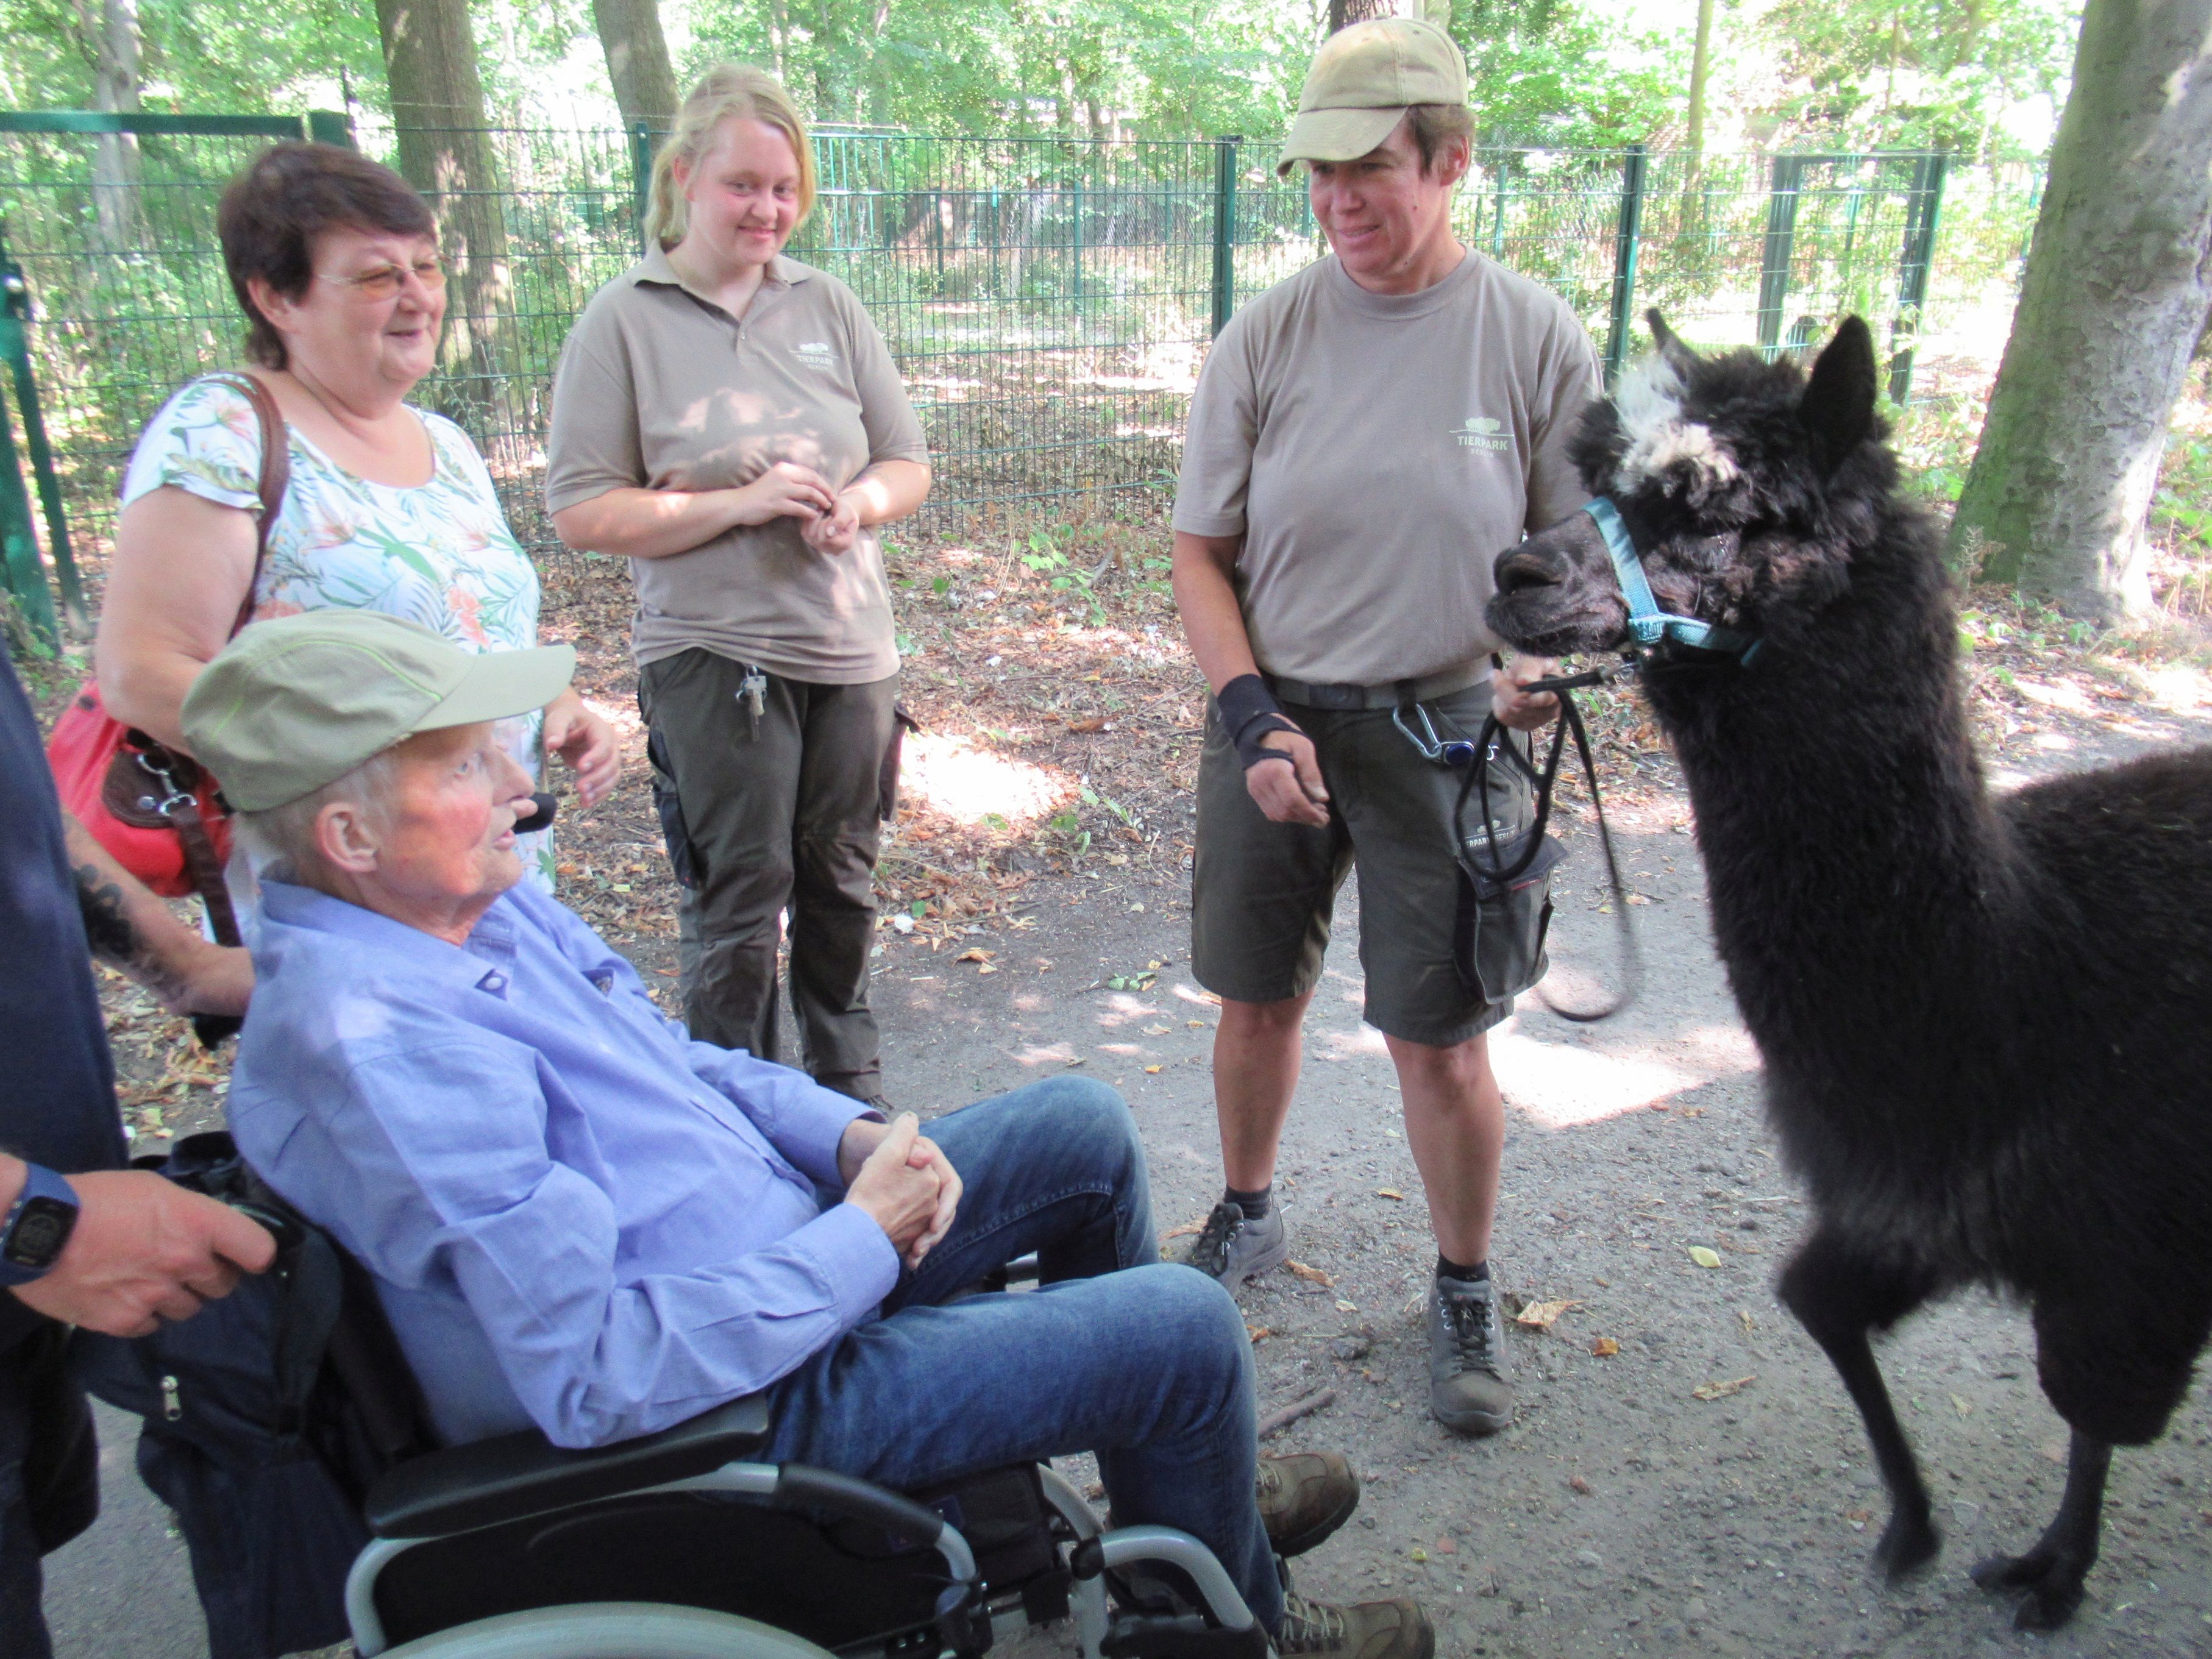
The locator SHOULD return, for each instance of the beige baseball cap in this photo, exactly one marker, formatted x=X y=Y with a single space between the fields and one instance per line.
x=297 y=702
x=1364 y=80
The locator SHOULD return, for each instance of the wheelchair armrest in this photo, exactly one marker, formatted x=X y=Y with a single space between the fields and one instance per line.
x=518 y=1474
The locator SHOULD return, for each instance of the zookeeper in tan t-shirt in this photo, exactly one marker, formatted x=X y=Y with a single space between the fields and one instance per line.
x=730 y=420
x=1366 y=437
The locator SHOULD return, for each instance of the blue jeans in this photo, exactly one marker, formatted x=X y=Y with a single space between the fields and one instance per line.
x=1145 y=1364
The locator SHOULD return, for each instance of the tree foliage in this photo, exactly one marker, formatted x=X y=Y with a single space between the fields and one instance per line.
x=1865 y=72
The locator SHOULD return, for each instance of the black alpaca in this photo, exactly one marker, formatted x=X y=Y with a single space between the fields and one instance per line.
x=1986 y=1021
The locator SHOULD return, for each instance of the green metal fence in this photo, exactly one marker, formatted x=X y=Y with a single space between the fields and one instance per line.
x=1048 y=300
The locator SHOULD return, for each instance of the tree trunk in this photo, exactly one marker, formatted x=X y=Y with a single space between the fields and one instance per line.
x=438 y=114
x=117 y=196
x=2119 y=277
x=1700 y=67
x=1343 y=13
x=637 y=60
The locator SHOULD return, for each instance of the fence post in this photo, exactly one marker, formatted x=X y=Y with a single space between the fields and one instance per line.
x=1774 y=262
x=19 y=570
x=332 y=126
x=1626 y=239
x=1225 y=230
x=1075 y=232
x=1914 y=263
x=640 y=171
x=16 y=346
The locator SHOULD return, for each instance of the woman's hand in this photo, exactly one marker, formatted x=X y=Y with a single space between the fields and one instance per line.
x=1516 y=708
x=587 y=743
x=836 y=531
x=1293 y=794
x=786 y=491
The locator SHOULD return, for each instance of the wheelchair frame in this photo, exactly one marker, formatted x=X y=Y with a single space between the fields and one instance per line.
x=470 y=1489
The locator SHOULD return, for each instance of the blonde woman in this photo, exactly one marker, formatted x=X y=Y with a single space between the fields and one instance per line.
x=730 y=421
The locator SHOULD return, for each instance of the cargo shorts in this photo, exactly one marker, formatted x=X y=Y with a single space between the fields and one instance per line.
x=1263 y=893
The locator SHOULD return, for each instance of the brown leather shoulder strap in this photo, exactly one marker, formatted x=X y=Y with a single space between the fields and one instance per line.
x=275 y=475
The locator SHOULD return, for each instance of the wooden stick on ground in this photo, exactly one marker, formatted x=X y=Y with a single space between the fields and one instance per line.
x=1286 y=1415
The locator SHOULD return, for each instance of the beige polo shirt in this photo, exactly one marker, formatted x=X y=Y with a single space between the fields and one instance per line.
x=662 y=389
x=1378 y=453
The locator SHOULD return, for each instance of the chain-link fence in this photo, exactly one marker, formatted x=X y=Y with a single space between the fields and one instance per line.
x=1048 y=300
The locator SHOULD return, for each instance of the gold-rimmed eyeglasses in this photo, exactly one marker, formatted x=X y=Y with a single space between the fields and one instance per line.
x=383 y=281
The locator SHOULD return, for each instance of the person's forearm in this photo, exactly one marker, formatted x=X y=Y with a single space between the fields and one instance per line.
x=889 y=490
x=13 y=1173
x=1206 y=598
x=131 y=928
x=648 y=524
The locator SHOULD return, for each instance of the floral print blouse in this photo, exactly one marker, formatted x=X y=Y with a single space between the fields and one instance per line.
x=438 y=553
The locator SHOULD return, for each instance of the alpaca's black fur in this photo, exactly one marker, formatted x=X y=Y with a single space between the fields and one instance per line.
x=1986 y=1021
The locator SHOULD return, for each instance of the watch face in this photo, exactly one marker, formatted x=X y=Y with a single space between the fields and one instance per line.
x=41 y=1229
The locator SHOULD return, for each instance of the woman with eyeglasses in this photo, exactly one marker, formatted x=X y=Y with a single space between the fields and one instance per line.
x=335 y=262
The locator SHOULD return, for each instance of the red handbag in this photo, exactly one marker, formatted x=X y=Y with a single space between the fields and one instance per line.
x=156 y=811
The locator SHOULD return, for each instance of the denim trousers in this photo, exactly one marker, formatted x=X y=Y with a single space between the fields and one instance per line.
x=1147 y=1364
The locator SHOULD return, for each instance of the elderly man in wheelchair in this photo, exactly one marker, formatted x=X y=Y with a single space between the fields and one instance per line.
x=587 y=1231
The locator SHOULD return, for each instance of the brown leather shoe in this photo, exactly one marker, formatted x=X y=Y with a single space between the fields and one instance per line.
x=1304 y=1497
x=1367 y=1630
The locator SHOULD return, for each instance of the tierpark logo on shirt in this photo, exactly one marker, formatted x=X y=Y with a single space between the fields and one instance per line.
x=816 y=353
x=1481 y=432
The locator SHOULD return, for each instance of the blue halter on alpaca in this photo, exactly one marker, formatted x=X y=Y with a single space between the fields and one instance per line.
x=1647 y=622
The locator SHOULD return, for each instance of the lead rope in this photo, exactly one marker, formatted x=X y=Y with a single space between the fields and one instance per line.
x=1492 y=738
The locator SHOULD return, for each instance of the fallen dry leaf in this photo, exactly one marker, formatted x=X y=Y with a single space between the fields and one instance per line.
x=1542 y=1316
x=1962 y=1404
x=1311 y=1275
x=1156 y=1030
x=974 y=953
x=1342 y=1306
x=1259 y=1333
x=1604 y=1348
x=1094 y=724
x=1577 y=1484
x=1723 y=1390
x=1419 y=1554
x=1151 y=1071
x=1389 y=1192
x=1744 y=1313
x=1704 y=1257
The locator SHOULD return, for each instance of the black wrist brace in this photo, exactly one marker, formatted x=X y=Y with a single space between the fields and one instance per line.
x=1249 y=712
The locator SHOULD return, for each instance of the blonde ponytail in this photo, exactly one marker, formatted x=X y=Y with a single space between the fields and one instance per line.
x=729 y=91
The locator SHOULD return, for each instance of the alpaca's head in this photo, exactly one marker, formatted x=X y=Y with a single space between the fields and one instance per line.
x=1746 y=486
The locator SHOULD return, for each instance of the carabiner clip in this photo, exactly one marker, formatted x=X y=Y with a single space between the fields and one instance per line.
x=1454 y=752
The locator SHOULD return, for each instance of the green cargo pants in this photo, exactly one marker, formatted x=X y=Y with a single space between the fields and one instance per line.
x=766 y=812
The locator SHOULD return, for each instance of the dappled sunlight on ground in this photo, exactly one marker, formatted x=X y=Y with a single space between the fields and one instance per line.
x=949 y=775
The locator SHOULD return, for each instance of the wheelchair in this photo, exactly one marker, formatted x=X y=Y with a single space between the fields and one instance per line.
x=677 y=1546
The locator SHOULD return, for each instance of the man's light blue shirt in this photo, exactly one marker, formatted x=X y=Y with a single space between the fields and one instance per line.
x=576 y=1216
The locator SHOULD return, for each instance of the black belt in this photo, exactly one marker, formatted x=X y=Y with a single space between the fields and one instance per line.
x=1390 y=694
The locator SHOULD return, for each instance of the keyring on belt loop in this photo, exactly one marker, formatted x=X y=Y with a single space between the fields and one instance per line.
x=1454 y=752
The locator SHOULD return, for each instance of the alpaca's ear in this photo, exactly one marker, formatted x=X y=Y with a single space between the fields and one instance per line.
x=1677 y=355
x=1838 y=408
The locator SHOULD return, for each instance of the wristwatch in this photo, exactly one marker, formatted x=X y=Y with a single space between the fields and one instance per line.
x=37 y=1227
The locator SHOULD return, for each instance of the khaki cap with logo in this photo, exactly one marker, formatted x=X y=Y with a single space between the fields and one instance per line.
x=1364 y=80
x=297 y=702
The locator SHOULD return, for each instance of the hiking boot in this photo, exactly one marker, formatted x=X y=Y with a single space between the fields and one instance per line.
x=1467 y=1390
x=1232 y=1249
x=1366 y=1629
x=1304 y=1497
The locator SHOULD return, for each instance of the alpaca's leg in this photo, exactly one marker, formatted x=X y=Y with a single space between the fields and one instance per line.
x=2052 y=1573
x=1838 y=1295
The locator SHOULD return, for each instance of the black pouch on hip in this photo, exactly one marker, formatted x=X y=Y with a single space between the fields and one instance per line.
x=1504 y=887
